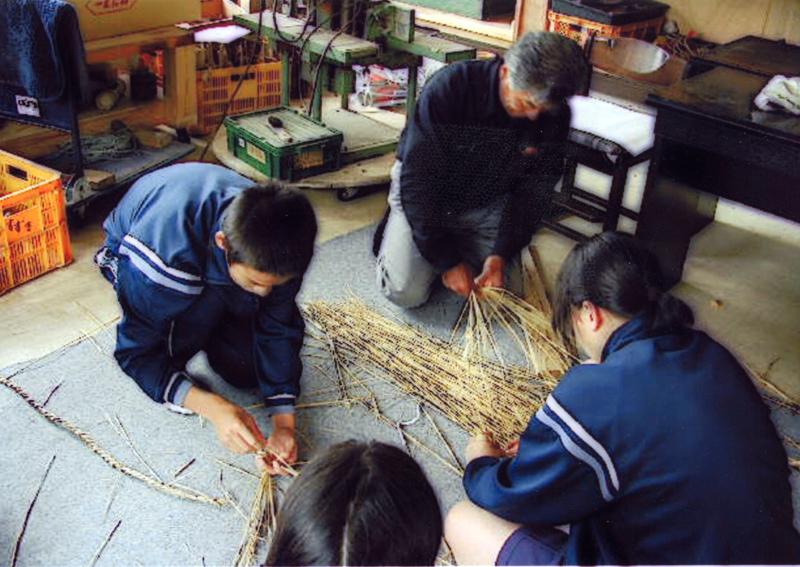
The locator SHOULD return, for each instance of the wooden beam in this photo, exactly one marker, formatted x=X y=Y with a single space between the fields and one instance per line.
x=531 y=16
x=478 y=9
x=499 y=29
x=180 y=89
x=124 y=46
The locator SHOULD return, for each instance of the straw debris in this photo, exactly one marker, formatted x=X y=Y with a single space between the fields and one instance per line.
x=108 y=458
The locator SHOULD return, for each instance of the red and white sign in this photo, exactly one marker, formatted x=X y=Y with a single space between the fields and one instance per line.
x=102 y=7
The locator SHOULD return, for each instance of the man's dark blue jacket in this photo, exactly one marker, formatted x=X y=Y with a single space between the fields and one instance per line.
x=664 y=453
x=170 y=267
x=462 y=151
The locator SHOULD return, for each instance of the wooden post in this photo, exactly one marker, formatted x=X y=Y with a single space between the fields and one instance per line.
x=180 y=87
x=286 y=77
x=411 y=95
x=531 y=15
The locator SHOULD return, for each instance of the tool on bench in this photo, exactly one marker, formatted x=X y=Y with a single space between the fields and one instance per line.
x=276 y=125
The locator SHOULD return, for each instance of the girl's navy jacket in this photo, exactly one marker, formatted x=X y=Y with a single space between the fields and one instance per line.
x=170 y=269
x=664 y=453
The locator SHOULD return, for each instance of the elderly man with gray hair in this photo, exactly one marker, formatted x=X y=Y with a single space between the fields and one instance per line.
x=476 y=169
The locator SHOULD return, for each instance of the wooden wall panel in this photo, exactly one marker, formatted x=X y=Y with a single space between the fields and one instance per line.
x=783 y=21
x=722 y=21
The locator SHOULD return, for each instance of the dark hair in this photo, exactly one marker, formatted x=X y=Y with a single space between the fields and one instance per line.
x=358 y=504
x=547 y=64
x=271 y=228
x=616 y=272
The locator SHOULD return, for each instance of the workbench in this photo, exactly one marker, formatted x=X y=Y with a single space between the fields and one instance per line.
x=710 y=143
x=342 y=51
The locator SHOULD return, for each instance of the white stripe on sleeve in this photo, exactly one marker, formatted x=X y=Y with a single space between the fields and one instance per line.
x=585 y=436
x=577 y=452
x=153 y=257
x=157 y=276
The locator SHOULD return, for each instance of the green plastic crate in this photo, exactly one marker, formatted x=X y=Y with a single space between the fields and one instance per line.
x=314 y=148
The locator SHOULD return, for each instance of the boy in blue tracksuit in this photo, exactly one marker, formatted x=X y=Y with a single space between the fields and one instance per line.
x=659 y=452
x=202 y=259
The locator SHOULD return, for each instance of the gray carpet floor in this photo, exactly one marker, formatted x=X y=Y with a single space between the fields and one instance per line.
x=83 y=498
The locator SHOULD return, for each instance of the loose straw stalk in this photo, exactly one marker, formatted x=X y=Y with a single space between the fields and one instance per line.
x=110 y=460
x=18 y=544
x=476 y=393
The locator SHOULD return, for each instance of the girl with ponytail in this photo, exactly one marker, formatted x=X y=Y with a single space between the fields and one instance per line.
x=607 y=280
x=659 y=452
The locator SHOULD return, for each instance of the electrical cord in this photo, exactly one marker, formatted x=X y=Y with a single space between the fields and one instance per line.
x=320 y=62
x=279 y=33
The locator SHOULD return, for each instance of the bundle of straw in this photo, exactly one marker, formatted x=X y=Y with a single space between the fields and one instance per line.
x=489 y=309
x=261 y=520
x=476 y=393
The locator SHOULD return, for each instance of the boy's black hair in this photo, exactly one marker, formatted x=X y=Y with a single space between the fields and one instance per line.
x=616 y=272
x=358 y=504
x=271 y=228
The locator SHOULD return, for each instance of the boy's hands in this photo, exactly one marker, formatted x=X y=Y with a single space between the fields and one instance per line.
x=282 y=446
x=238 y=431
x=458 y=279
x=236 y=428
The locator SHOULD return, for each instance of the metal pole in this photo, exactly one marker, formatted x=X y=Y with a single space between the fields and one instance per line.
x=286 y=77
x=411 y=95
x=316 y=105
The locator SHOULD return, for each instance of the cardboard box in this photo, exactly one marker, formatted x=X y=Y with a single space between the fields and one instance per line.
x=211 y=8
x=107 y=18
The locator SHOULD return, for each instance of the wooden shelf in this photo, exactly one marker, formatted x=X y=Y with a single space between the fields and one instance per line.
x=31 y=141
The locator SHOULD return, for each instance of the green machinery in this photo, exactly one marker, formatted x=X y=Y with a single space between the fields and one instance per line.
x=301 y=147
x=334 y=36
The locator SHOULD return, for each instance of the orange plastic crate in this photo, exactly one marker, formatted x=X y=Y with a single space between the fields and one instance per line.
x=579 y=29
x=34 y=238
x=261 y=89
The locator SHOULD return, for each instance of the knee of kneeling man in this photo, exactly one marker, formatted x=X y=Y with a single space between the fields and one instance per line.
x=406 y=294
x=408 y=298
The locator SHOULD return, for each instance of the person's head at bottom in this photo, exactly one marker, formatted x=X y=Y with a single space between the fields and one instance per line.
x=358 y=504
x=268 y=235
x=605 y=282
